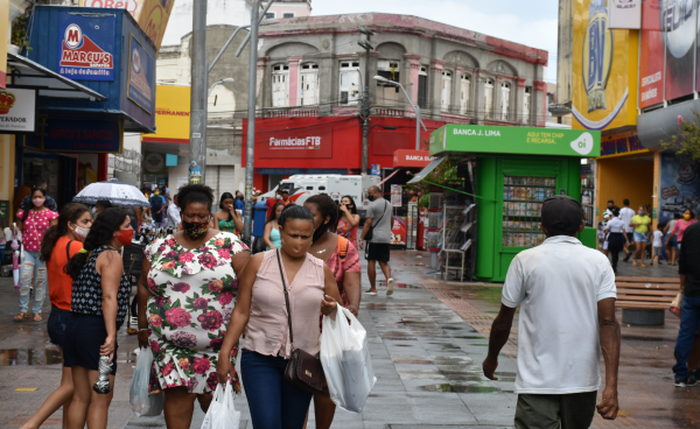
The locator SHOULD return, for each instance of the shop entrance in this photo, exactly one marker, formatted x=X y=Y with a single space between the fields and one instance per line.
x=59 y=171
x=630 y=177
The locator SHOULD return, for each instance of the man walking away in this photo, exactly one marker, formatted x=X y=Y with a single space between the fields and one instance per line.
x=379 y=221
x=567 y=296
x=689 y=270
x=626 y=214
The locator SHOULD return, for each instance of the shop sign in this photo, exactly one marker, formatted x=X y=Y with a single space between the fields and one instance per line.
x=154 y=163
x=86 y=46
x=327 y=171
x=4 y=17
x=412 y=158
x=172 y=115
x=141 y=76
x=280 y=171
x=679 y=180
x=17 y=110
x=514 y=140
x=602 y=83
x=625 y=14
x=621 y=144
x=302 y=143
x=396 y=191
x=77 y=136
x=651 y=60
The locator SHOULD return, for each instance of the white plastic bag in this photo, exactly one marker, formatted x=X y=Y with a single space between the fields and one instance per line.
x=142 y=402
x=222 y=414
x=346 y=361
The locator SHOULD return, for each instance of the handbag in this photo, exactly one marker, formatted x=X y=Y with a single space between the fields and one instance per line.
x=303 y=369
x=370 y=233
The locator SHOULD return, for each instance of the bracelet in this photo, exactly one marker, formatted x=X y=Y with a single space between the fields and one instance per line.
x=143 y=329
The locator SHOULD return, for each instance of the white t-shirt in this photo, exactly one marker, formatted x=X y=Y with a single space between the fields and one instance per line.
x=615 y=225
x=658 y=235
x=626 y=214
x=173 y=215
x=559 y=284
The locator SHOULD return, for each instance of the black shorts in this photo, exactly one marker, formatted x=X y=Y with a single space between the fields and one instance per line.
x=377 y=252
x=56 y=325
x=630 y=237
x=85 y=334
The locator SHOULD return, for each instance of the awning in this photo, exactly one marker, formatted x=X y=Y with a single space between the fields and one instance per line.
x=389 y=176
x=427 y=170
x=28 y=73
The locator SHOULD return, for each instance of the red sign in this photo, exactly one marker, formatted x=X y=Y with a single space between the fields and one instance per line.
x=311 y=142
x=651 y=62
x=412 y=158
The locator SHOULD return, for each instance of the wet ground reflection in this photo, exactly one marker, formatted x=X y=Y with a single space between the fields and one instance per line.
x=12 y=357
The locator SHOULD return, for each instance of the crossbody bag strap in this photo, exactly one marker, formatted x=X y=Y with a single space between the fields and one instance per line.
x=380 y=219
x=286 y=299
x=68 y=249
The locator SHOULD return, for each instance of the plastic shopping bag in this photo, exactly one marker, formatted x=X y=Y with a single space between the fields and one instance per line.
x=142 y=402
x=222 y=414
x=346 y=361
x=676 y=305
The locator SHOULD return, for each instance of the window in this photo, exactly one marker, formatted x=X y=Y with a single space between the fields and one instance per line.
x=288 y=15
x=526 y=104
x=488 y=99
x=388 y=95
x=505 y=101
x=423 y=87
x=280 y=86
x=270 y=15
x=446 y=97
x=464 y=92
x=349 y=83
x=308 y=80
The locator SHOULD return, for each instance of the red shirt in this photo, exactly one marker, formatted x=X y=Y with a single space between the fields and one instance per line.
x=60 y=283
x=270 y=203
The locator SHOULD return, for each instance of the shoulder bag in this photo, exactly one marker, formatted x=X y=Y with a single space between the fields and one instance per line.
x=370 y=233
x=303 y=369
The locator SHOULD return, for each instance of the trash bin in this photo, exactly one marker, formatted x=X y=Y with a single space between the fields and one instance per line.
x=259 y=219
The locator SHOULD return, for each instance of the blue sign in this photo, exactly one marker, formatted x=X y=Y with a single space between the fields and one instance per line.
x=75 y=136
x=326 y=171
x=86 y=46
x=281 y=171
x=142 y=76
x=376 y=170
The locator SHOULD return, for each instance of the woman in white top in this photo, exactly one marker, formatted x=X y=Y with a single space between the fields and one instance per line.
x=617 y=240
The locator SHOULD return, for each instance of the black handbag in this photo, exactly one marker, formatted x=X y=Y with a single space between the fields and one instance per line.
x=303 y=369
x=370 y=233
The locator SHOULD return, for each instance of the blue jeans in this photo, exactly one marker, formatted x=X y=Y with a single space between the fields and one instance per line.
x=690 y=319
x=32 y=268
x=274 y=402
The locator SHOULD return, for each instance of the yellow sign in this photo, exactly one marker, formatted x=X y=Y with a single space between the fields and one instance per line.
x=172 y=115
x=152 y=15
x=604 y=89
x=4 y=17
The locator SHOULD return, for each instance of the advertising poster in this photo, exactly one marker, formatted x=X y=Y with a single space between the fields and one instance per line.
x=602 y=82
x=86 y=46
x=17 y=110
x=651 y=61
x=679 y=186
x=142 y=76
x=396 y=191
x=679 y=21
x=398 y=231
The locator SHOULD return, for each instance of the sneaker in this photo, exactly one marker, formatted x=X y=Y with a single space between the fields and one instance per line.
x=390 y=286
x=686 y=382
x=370 y=292
x=694 y=374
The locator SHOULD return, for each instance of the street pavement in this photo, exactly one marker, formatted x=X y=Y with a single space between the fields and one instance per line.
x=427 y=342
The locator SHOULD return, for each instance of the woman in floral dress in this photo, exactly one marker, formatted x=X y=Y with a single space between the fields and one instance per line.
x=186 y=296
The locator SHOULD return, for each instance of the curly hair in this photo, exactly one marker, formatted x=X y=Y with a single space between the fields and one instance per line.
x=101 y=234
x=195 y=194
x=328 y=209
x=70 y=213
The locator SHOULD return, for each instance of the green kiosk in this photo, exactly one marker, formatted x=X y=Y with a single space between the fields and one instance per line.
x=517 y=168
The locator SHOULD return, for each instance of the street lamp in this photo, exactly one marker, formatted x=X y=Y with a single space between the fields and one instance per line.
x=416 y=109
x=221 y=82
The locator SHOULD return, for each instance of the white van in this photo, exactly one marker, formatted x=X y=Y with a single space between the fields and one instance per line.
x=302 y=186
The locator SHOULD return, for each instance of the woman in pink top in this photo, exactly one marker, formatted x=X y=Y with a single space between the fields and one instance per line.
x=349 y=219
x=680 y=227
x=33 y=224
x=262 y=312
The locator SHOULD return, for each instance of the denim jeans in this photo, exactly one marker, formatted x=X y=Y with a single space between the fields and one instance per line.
x=690 y=318
x=32 y=268
x=274 y=402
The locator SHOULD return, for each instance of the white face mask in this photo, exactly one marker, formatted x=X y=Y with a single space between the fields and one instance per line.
x=80 y=233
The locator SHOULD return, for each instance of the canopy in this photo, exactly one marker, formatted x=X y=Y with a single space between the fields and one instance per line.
x=427 y=170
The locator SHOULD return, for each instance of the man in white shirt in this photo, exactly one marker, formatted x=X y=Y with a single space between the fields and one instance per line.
x=626 y=215
x=173 y=214
x=567 y=295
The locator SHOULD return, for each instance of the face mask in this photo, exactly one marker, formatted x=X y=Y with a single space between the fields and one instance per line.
x=320 y=231
x=80 y=233
x=686 y=216
x=641 y=213
x=126 y=236
x=38 y=202
x=195 y=230
x=371 y=197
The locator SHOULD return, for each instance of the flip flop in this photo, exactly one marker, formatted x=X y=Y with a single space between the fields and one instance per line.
x=38 y=318
x=21 y=316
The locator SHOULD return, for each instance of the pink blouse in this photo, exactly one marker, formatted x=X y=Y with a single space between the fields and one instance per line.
x=34 y=227
x=680 y=226
x=267 y=331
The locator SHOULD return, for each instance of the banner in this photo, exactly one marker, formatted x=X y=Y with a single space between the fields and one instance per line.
x=4 y=17
x=86 y=46
x=625 y=14
x=679 y=21
x=621 y=144
x=396 y=191
x=651 y=61
x=679 y=181
x=172 y=115
x=17 y=110
x=142 y=71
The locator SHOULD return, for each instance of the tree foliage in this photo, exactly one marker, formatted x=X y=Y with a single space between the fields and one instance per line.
x=445 y=174
x=687 y=140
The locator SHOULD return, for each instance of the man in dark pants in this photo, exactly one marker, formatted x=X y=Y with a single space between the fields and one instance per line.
x=379 y=220
x=689 y=270
x=567 y=296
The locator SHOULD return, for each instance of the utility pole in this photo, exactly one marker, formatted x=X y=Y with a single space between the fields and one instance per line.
x=366 y=108
x=198 y=101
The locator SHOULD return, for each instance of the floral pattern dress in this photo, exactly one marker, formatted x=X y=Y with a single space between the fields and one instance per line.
x=193 y=295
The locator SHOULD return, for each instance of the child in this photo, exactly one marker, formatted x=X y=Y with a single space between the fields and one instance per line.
x=658 y=246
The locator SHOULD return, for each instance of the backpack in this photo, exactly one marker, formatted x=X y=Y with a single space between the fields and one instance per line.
x=156 y=203
x=343 y=244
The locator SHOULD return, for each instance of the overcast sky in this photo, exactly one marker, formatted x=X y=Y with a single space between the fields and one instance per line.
x=532 y=23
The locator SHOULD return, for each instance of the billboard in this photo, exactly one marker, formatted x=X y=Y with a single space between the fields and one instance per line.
x=679 y=180
x=142 y=71
x=604 y=70
x=172 y=115
x=679 y=20
x=651 y=61
x=86 y=46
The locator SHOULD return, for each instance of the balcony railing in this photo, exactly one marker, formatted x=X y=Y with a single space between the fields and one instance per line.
x=289 y=112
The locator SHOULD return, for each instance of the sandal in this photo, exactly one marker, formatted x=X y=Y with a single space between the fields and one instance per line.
x=20 y=316
x=38 y=318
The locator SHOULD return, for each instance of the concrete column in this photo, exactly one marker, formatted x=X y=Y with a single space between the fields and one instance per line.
x=519 y=97
x=413 y=69
x=294 y=81
x=456 y=90
x=436 y=69
x=328 y=79
x=539 y=102
x=477 y=103
x=264 y=84
x=497 y=97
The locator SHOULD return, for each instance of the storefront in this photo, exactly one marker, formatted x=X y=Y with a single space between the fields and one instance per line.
x=514 y=170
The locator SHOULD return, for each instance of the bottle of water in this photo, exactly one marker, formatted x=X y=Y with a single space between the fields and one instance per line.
x=102 y=383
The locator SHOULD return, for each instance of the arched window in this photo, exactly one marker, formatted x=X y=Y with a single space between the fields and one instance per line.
x=446 y=98
x=308 y=85
x=505 y=101
x=280 y=85
x=388 y=95
x=464 y=91
x=488 y=99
